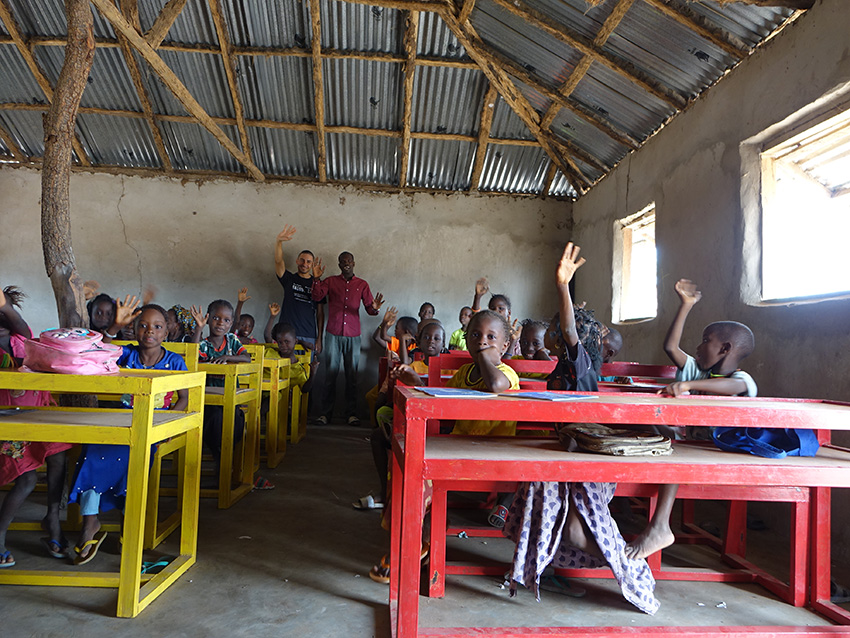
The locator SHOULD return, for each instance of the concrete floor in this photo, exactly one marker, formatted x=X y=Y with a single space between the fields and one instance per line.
x=293 y=562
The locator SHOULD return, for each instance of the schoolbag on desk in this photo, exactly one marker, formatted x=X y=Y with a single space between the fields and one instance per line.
x=71 y=351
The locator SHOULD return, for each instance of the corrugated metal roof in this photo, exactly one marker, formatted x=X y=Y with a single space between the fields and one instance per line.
x=748 y=22
x=436 y=39
x=514 y=169
x=441 y=164
x=363 y=93
x=538 y=101
x=192 y=147
x=18 y=85
x=26 y=130
x=276 y=88
x=117 y=141
x=5 y=151
x=506 y=124
x=561 y=187
x=447 y=100
x=361 y=27
x=193 y=25
x=109 y=85
x=587 y=137
x=363 y=158
x=202 y=74
x=284 y=152
x=268 y=24
x=578 y=14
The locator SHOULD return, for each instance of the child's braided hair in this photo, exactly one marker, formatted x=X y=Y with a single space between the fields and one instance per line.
x=14 y=295
x=590 y=334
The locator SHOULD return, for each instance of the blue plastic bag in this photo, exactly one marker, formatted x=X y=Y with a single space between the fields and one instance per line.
x=772 y=443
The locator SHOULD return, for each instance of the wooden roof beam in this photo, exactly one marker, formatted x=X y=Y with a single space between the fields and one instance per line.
x=229 y=63
x=800 y=5
x=163 y=23
x=40 y=78
x=465 y=10
x=411 y=36
x=586 y=47
x=470 y=40
x=13 y=147
x=486 y=122
x=168 y=77
x=130 y=9
x=319 y=90
x=687 y=18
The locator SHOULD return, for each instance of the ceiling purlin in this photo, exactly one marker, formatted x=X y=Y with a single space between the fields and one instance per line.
x=318 y=90
x=611 y=23
x=720 y=38
x=411 y=36
x=487 y=110
x=16 y=152
x=229 y=63
x=470 y=40
x=43 y=82
x=586 y=47
x=163 y=23
x=170 y=79
x=130 y=9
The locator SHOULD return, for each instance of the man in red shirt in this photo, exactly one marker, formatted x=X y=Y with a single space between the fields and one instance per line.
x=342 y=334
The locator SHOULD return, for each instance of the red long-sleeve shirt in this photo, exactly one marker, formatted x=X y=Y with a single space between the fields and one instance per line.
x=344 y=297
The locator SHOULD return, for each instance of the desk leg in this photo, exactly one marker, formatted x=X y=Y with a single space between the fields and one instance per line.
x=437 y=563
x=190 y=493
x=820 y=558
x=228 y=424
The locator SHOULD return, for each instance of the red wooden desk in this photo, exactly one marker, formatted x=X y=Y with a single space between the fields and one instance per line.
x=508 y=459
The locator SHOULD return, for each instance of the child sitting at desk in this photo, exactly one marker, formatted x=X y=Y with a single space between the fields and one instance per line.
x=181 y=324
x=243 y=323
x=100 y=483
x=20 y=459
x=406 y=329
x=583 y=534
x=458 y=339
x=285 y=339
x=501 y=304
x=714 y=370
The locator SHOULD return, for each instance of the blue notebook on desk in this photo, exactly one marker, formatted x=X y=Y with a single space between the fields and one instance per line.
x=454 y=392
x=546 y=396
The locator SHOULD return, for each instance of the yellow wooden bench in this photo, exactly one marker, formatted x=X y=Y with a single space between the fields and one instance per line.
x=138 y=428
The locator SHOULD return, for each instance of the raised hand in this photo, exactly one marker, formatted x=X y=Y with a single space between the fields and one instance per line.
x=516 y=330
x=390 y=316
x=687 y=291
x=274 y=308
x=199 y=316
x=125 y=311
x=90 y=289
x=482 y=286
x=287 y=233
x=318 y=268
x=570 y=262
x=405 y=374
x=243 y=295
x=378 y=301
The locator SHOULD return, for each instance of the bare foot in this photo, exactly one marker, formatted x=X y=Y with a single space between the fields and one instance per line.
x=579 y=536
x=652 y=539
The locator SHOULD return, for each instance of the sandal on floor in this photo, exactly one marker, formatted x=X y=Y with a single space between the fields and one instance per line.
x=55 y=548
x=498 y=516
x=367 y=502
x=7 y=555
x=561 y=585
x=154 y=567
x=263 y=484
x=380 y=573
x=94 y=543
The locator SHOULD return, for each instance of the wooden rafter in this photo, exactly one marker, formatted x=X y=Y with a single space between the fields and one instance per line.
x=29 y=58
x=319 y=90
x=130 y=9
x=465 y=10
x=611 y=22
x=170 y=79
x=550 y=177
x=487 y=111
x=411 y=36
x=585 y=46
x=229 y=63
x=800 y=5
x=10 y=143
x=469 y=39
x=163 y=23
x=720 y=38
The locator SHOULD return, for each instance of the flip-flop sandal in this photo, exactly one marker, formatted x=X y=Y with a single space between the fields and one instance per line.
x=498 y=516
x=561 y=585
x=154 y=567
x=6 y=555
x=94 y=544
x=367 y=502
x=263 y=484
x=381 y=573
x=49 y=544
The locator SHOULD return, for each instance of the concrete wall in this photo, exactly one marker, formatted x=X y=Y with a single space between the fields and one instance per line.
x=200 y=241
x=693 y=171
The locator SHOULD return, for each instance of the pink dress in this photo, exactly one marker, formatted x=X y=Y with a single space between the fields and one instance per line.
x=17 y=457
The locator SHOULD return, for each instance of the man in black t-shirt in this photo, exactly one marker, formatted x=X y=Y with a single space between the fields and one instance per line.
x=298 y=307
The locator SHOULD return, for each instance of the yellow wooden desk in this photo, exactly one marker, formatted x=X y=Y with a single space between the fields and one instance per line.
x=277 y=385
x=298 y=399
x=138 y=428
x=229 y=397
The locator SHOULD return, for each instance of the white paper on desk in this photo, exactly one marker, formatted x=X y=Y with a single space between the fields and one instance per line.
x=454 y=392
x=546 y=396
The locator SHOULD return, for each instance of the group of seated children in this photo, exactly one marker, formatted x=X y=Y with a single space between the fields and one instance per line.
x=583 y=533
x=100 y=480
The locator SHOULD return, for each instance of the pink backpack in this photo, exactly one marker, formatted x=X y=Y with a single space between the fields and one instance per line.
x=71 y=351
